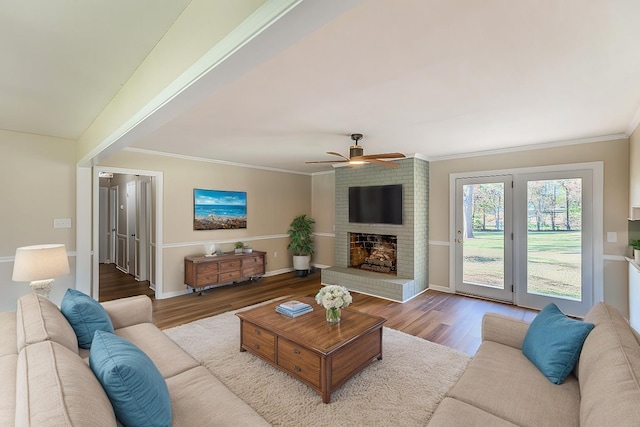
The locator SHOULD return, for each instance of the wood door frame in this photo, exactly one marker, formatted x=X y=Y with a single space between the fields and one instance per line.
x=598 y=215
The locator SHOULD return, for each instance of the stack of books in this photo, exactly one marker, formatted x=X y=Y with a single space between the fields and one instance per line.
x=293 y=308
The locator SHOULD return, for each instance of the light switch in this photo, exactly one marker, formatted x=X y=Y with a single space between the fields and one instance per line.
x=62 y=223
x=612 y=237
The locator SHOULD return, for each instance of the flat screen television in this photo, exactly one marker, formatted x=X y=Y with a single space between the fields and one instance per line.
x=376 y=204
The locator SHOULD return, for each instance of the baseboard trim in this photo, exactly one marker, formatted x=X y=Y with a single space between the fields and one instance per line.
x=172 y=294
x=441 y=289
x=276 y=272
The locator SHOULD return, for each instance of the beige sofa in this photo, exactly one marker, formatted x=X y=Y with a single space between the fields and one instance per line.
x=46 y=380
x=501 y=387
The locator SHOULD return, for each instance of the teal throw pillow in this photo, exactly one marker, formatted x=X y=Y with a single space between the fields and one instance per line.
x=553 y=343
x=85 y=315
x=136 y=389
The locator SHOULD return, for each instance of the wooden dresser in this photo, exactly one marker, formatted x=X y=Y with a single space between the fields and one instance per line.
x=202 y=272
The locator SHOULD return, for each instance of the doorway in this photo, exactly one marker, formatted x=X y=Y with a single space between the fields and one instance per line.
x=134 y=229
x=527 y=237
x=484 y=244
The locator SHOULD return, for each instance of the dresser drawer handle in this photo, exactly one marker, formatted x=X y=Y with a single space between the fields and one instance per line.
x=257 y=332
x=296 y=368
x=257 y=346
x=296 y=351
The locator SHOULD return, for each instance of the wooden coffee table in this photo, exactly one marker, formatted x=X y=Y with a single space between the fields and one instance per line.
x=322 y=355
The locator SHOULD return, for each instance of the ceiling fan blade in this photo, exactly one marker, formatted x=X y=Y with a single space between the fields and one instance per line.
x=337 y=154
x=384 y=156
x=383 y=163
x=331 y=161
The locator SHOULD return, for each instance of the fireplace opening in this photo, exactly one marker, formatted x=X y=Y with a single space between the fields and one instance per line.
x=373 y=252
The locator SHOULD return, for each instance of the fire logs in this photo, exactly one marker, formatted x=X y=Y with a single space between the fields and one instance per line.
x=382 y=260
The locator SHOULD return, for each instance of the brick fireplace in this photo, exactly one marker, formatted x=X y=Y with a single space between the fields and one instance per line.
x=411 y=276
x=373 y=252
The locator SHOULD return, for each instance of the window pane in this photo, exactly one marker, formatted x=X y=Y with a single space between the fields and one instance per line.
x=554 y=238
x=483 y=248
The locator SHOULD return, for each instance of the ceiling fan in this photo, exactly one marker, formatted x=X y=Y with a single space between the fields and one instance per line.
x=357 y=157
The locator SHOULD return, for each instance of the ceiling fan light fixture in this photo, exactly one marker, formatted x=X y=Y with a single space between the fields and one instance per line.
x=357 y=157
x=356 y=151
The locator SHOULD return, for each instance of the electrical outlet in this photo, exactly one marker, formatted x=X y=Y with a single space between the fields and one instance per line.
x=275 y=254
x=62 y=223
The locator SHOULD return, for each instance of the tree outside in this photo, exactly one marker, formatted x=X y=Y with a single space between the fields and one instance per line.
x=554 y=238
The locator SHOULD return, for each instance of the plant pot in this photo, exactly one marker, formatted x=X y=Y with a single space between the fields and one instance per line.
x=248 y=250
x=301 y=264
x=238 y=251
x=636 y=256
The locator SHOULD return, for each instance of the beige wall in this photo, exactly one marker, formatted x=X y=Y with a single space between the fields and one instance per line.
x=39 y=179
x=614 y=154
x=323 y=212
x=273 y=200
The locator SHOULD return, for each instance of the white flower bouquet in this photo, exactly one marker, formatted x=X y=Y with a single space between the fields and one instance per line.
x=334 y=296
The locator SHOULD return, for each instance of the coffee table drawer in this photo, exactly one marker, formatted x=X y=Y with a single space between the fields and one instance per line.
x=299 y=361
x=259 y=341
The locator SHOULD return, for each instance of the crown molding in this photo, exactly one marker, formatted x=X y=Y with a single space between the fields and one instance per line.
x=323 y=173
x=634 y=123
x=603 y=138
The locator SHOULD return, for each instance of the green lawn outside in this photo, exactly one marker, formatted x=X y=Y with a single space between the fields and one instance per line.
x=553 y=268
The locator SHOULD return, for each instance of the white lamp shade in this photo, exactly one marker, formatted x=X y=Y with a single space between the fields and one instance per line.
x=40 y=262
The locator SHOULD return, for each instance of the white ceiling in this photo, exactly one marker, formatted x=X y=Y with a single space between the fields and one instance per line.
x=437 y=78
x=64 y=60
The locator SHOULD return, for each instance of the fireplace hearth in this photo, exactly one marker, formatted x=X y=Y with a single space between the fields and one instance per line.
x=373 y=252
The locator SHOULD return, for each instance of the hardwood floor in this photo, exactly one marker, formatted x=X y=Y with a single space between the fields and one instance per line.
x=115 y=284
x=443 y=318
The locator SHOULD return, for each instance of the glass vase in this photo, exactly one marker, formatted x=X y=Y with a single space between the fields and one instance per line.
x=333 y=315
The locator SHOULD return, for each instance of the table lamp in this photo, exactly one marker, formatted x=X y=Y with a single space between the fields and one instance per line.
x=39 y=264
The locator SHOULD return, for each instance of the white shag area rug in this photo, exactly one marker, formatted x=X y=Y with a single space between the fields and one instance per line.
x=402 y=389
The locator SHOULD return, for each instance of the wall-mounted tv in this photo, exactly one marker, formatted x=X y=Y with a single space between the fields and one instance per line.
x=376 y=204
x=216 y=209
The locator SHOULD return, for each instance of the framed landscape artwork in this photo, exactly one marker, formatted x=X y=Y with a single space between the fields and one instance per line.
x=219 y=210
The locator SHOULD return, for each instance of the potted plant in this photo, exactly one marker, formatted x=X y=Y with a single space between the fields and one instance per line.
x=301 y=243
x=239 y=247
x=635 y=244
